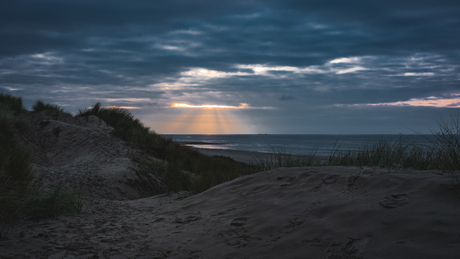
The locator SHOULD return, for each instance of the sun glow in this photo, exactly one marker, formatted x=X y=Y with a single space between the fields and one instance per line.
x=449 y=101
x=203 y=121
x=426 y=102
x=208 y=106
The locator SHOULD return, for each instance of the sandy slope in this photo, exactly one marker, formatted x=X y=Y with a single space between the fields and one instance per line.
x=319 y=212
x=82 y=152
x=310 y=212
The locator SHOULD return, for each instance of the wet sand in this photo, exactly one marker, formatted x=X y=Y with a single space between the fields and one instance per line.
x=247 y=157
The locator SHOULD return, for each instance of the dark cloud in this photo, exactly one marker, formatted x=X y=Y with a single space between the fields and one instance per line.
x=287 y=98
x=329 y=54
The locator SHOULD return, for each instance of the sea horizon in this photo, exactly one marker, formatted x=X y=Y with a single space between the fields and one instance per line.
x=301 y=144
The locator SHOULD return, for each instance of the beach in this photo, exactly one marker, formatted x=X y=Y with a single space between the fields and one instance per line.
x=247 y=157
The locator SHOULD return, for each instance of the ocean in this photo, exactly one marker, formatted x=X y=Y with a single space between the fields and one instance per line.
x=294 y=144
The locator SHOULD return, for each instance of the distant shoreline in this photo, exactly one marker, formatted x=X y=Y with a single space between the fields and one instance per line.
x=303 y=145
x=247 y=157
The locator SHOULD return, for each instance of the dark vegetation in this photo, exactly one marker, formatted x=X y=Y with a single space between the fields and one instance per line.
x=41 y=106
x=22 y=193
x=443 y=153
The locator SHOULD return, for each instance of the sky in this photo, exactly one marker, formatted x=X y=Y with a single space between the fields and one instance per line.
x=240 y=67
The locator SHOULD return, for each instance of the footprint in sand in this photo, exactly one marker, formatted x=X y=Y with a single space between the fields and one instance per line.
x=395 y=200
x=238 y=222
x=353 y=248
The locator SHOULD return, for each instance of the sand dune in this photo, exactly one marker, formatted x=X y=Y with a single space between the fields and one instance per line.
x=305 y=212
x=318 y=212
x=81 y=152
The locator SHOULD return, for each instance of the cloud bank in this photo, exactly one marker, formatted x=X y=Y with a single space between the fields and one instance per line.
x=327 y=67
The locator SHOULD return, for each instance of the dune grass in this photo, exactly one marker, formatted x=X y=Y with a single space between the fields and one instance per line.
x=385 y=153
x=23 y=195
x=388 y=153
x=42 y=106
x=442 y=154
x=447 y=148
x=12 y=103
x=281 y=158
x=185 y=169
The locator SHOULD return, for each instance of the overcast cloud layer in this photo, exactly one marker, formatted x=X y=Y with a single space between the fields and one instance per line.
x=279 y=66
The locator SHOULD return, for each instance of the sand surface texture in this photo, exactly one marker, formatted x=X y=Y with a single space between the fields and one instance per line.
x=308 y=212
x=320 y=212
x=81 y=152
